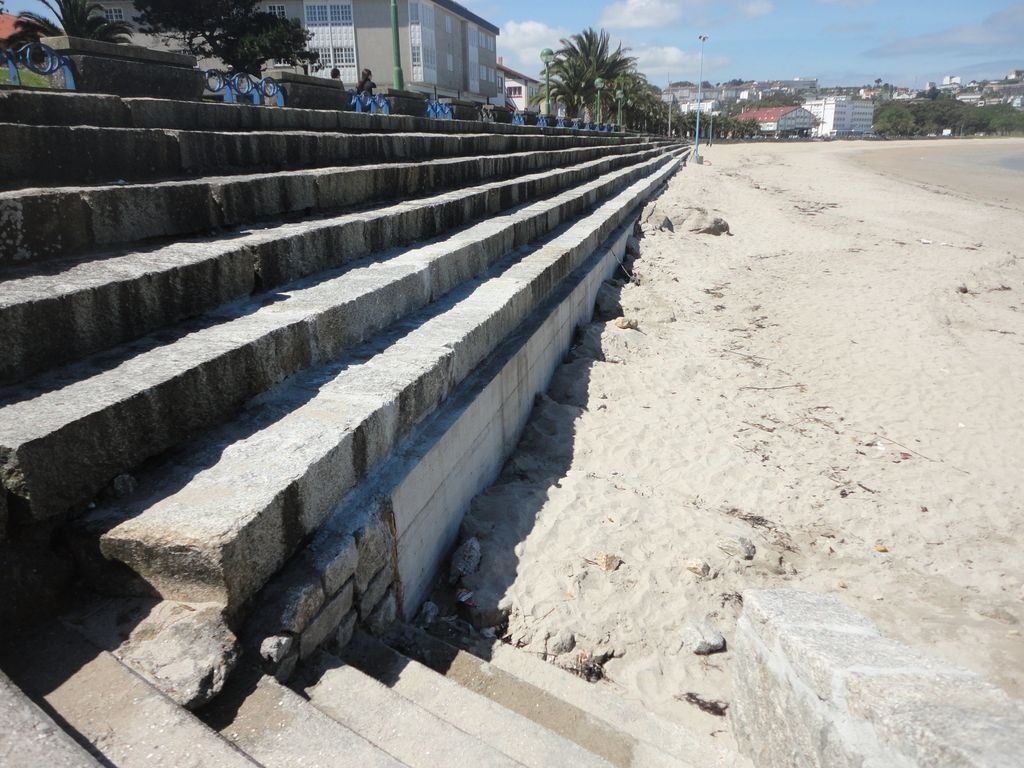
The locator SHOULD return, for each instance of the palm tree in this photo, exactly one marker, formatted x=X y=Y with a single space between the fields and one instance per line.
x=583 y=58
x=75 y=18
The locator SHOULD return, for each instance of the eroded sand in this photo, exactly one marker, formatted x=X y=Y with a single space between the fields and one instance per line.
x=842 y=375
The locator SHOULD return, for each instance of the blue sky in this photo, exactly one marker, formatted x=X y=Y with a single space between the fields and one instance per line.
x=840 y=42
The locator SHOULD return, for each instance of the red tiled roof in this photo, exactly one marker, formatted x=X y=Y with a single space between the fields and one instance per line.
x=769 y=115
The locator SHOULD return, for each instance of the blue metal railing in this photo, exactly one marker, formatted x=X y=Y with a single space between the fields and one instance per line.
x=439 y=110
x=241 y=85
x=38 y=58
x=365 y=102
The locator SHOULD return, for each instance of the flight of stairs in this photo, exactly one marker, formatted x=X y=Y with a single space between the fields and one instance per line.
x=220 y=323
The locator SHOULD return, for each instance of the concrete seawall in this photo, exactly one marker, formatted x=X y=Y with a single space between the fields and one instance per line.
x=816 y=684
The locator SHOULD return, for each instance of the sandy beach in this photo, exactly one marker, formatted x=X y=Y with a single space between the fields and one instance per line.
x=837 y=381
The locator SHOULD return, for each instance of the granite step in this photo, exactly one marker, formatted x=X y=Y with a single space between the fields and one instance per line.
x=393 y=723
x=90 y=305
x=40 y=107
x=30 y=738
x=64 y=436
x=81 y=154
x=280 y=729
x=504 y=729
x=217 y=526
x=539 y=701
x=117 y=716
x=38 y=225
x=650 y=731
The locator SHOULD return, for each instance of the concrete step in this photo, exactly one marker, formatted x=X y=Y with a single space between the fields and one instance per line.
x=40 y=107
x=504 y=729
x=225 y=520
x=38 y=225
x=629 y=717
x=30 y=738
x=156 y=392
x=86 y=154
x=574 y=720
x=280 y=729
x=90 y=305
x=393 y=723
x=120 y=718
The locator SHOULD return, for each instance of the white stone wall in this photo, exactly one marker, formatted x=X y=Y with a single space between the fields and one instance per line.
x=815 y=684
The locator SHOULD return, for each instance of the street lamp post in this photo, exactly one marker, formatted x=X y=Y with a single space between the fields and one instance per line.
x=599 y=84
x=396 y=49
x=547 y=56
x=619 y=97
x=700 y=83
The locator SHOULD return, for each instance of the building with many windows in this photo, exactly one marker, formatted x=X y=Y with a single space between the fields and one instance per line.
x=445 y=48
x=839 y=116
x=781 y=121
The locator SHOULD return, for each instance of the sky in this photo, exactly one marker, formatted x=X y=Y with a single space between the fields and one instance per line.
x=839 y=42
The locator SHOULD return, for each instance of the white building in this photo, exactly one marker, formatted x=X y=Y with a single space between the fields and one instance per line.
x=706 y=106
x=444 y=47
x=841 y=116
x=780 y=121
x=516 y=90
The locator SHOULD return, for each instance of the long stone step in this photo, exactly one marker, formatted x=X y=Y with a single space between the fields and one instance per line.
x=40 y=107
x=603 y=735
x=506 y=730
x=83 y=154
x=30 y=738
x=38 y=225
x=227 y=519
x=280 y=729
x=117 y=715
x=142 y=403
x=628 y=716
x=392 y=722
x=88 y=306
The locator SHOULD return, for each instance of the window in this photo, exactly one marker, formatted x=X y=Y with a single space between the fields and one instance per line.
x=332 y=36
x=113 y=14
x=316 y=15
x=448 y=24
x=414 y=13
x=514 y=91
x=451 y=63
x=276 y=10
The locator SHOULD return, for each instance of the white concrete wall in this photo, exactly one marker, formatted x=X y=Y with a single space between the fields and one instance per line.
x=467 y=456
x=815 y=684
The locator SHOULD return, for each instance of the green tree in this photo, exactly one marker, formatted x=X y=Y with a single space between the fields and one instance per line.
x=75 y=18
x=238 y=32
x=894 y=120
x=582 y=59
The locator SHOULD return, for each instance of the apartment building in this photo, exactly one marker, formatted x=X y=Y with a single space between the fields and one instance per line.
x=445 y=48
x=839 y=116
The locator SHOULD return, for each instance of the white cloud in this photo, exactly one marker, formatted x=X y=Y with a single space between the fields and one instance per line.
x=521 y=42
x=757 y=8
x=641 y=14
x=660 y=64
